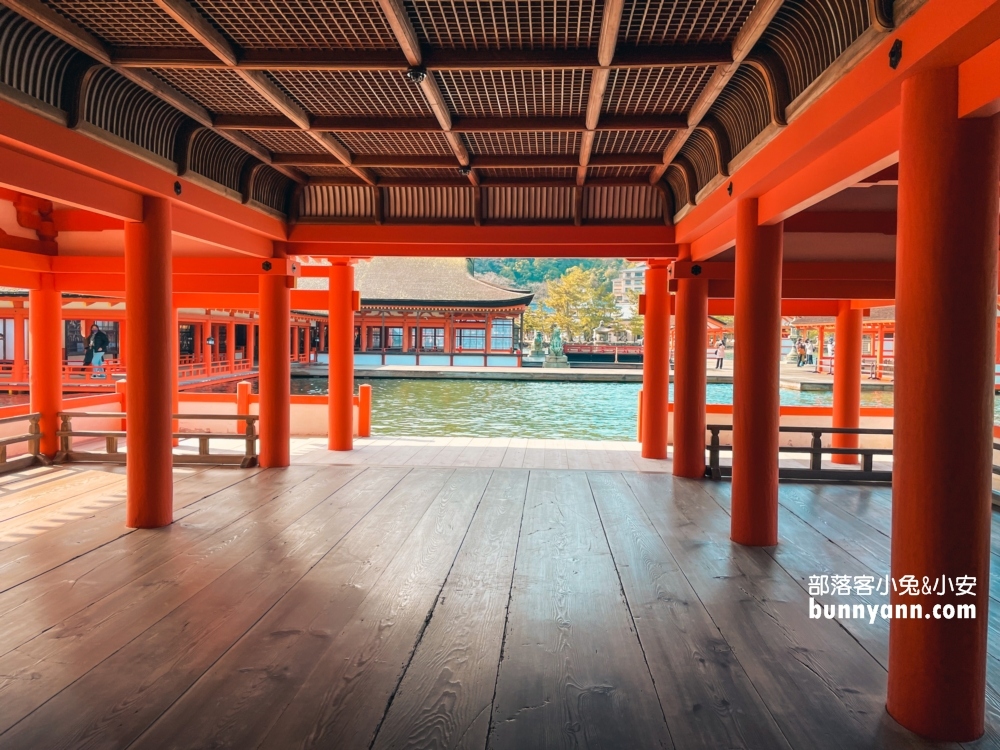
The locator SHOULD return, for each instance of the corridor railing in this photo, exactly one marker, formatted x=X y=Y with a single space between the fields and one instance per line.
x=32 y=437
x=111 y=451
x=815 y=450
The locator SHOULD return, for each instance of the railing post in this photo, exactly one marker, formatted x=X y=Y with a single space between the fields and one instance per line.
x=65 y=440
x=364 y=410
x=34 y=429
x=251 y=445
x=817 y=451
x=713 y=452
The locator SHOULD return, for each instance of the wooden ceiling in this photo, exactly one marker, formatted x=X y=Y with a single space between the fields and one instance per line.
x=306 y=105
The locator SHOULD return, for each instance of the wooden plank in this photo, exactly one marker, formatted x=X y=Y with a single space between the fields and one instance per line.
x=53 y=659
x=493 y=455
x=573 y=672
x=705 y=694
x=39 y=554
x=445 y=697
x=448 y=454
x=116 y=702
x=46 y=491
x=513 y=457
x=534 y=454
x=254 y=681
x=343 y=700
x=472 y=453
x=45 y=600
x=822 y=688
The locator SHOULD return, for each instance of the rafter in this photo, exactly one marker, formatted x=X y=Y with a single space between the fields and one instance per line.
x=201 y=29
x=405 y=35
x=754 y=28
x=610 y=22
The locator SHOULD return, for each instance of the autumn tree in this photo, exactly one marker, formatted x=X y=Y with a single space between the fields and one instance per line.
x=578 y=302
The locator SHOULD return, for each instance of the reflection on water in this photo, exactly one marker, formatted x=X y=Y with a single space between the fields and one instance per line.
x=502 y=408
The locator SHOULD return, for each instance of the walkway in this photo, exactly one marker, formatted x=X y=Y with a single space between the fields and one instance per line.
x=380 y=606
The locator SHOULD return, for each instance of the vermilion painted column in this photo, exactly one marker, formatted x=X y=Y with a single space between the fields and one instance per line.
x=655 y=361
x=17 y=373
x=275 y=371
x=341 y=414
x=689 y=373
x=846 y=379
x=946 y=296
x=231 y=346
x=45 y=341
x=152 y=369
x=251 y=348
x=122 y=334
x=756 y=367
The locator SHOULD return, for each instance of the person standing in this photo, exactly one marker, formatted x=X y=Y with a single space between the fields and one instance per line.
x=720 y=354
x=97 y=345
x=809 y=351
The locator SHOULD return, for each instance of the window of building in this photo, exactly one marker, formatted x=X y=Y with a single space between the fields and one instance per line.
x=502 y=335
x=374 y=338
x=470 y=338
x=394 y=338
x=432 y=339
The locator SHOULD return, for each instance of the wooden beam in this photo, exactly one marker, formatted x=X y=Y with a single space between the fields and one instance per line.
x=666 y=56
x=458 y=124
x=756 y=24
x=461 y=182
x=200 y=28
x=406 y=37
x=606 y=43
x=480 y=162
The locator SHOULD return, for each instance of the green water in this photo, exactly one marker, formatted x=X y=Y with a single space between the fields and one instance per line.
x=497 y=408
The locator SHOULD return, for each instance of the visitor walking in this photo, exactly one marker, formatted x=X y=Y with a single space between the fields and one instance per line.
x=809 y=352
x=720 y=354
x=93 y=355
x=800 y=350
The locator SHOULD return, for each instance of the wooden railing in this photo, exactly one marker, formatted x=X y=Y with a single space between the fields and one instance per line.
x=32 y=437
x=112 y=438
x=816 y=450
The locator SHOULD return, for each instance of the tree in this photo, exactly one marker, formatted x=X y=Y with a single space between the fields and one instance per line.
x=579 y=301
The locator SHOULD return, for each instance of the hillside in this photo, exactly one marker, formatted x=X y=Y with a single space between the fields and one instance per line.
x=525 y=273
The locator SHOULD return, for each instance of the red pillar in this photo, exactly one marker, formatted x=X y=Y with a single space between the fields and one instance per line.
x=153 y=370
x=45 y=359
x=341 y=414
x=689 y=374
x=946 y=295
x=655 y=362
x=250 y=351
x=846 y=379
x=756 y=367
x=17 y=373
x=122 y=333
x=274 y=371
x=231 y=346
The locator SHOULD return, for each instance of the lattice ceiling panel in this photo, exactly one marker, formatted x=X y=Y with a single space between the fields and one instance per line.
x=136 y=23
x=654 y=91
x=421 y=173
x=286 y=141
x=330 y=172
x=511 y=24
x=638 y=173
x=519 y=143
x=516 y=93
x=656 y=22
x=302 y=24
x=384 y=142
x=531 y=173
x=355 y=93
x=219 y=91
x=632 y=141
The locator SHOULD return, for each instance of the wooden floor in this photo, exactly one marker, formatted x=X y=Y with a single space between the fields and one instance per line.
x=379 y=606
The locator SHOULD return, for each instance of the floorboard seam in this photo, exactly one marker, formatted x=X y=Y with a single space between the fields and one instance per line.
x=628 y=608
x=506 y=614
x=429 y=617
x=708 y=612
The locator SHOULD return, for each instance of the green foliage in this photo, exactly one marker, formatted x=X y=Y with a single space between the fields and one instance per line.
x=527 y=273
x=578 y=302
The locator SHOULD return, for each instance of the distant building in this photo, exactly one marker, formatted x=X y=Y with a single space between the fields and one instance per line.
x=629 y=279
x=432 y=311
